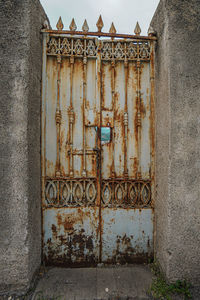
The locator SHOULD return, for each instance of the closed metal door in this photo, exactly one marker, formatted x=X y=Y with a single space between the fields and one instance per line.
x=97 y=147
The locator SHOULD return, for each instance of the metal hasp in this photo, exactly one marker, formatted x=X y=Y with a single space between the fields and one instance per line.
x=97 y=146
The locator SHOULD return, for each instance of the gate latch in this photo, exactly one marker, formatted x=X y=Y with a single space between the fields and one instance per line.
x=98 y=151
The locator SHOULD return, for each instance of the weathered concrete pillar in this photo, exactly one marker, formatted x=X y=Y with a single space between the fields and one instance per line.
x=177 y=23
x=20 y=89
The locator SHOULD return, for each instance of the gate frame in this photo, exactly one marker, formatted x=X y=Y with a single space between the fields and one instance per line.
x=136 y=38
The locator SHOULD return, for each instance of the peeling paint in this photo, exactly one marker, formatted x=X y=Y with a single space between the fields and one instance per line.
x=98 y=197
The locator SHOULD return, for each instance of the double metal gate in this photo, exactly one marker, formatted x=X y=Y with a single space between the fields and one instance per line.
x=97 y=146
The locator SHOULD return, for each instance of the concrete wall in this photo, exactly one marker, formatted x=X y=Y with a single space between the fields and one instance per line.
x=177 y=23
x=20 y=89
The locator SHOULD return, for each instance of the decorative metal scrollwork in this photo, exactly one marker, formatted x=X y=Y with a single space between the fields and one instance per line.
x=125 y=50
x=106 y=52
x=106 y=195
x=79 y=47
x=144 y=50
x=126 y=194
x=132 y=50
x=133 y=193
x=66 y=46
x=119 y=51
x=119 y=193
x=72 y=192
x=52 y=46
x=145 y=194
x=91 y=192
x=65 y=193
x=71 y=46
x=91 y=48
x=78 y=193
x=83 y=192
x=51 y=192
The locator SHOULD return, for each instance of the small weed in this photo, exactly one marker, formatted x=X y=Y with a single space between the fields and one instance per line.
x=162 y=290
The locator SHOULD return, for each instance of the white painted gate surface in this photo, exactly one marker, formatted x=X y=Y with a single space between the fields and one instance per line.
x=97 y=146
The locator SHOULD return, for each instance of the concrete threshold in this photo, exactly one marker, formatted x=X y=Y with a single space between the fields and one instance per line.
x=101 y=283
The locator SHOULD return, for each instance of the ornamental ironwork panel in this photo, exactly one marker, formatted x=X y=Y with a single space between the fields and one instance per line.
x=126 y=194
x=119 y=50
x=79 y=47
x=97 y=150
x=70 y=193
x=72 y=46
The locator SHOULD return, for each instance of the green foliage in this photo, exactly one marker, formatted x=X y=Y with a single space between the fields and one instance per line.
x=162 y=290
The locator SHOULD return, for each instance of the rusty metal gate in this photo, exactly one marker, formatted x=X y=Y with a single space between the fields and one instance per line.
x=97 y=145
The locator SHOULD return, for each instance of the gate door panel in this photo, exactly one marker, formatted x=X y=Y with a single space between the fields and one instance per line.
x=97 y=147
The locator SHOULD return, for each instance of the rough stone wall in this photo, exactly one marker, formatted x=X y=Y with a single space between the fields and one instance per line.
x=177 y=23
x=20 y=195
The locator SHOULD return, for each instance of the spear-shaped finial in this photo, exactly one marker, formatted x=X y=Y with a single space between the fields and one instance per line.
x=112 y=28
x=151 y=31
x=137 y=29
x=46 y=25
x=59 y=25
x=99 y=24
x=85 y=26
x=73 y=26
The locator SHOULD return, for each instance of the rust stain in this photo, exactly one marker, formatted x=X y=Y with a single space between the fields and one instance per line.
x=53 y=82
x=106 y=69
x=87 y=104
x=103 y=85
x=125 y=253
x=104 y=34
x=77 y=173
x=152 y=112
x=136 y=124
x=107 y=121
x=59 y=219
x=69 y=224
x=66 y=221
x=62 y=239
x=54 y=231
x=50 y=167
x=49 y=164
x=135 y=165
x=62 y=169
x=62 y=138
x=142 y=109
x=75 y=246
x=92 y=161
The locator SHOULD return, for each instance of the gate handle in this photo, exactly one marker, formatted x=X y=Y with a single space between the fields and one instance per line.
x=96 y=149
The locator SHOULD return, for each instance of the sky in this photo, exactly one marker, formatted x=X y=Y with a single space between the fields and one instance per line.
x=124 y=13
